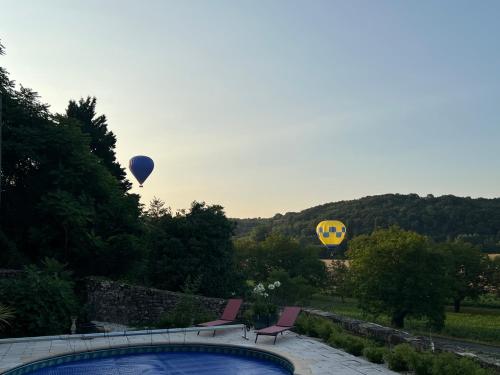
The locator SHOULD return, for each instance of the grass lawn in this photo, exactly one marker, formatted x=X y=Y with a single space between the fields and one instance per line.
x=477 y=324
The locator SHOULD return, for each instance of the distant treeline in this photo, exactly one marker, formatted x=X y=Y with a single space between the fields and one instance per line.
x=442 y=218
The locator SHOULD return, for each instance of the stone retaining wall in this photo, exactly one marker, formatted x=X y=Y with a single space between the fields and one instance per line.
x=117 y=302
x=393 y=336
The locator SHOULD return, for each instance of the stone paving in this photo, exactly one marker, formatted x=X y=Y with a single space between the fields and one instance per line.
x=310 y=356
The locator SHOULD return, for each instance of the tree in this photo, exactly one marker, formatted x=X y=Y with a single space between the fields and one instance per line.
x=59 y=198
x=192 y=245
x=399 y=273
x=339 y=280
x=467 y=268
x=102 y=141
x=277 y=252
x=493 y=274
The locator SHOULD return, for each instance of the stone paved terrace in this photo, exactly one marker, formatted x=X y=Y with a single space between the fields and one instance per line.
x=310 y=356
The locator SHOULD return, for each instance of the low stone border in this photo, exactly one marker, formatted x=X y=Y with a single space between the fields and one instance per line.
x=393 y=336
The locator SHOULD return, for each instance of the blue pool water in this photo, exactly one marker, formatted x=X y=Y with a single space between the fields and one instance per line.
x=171 y=363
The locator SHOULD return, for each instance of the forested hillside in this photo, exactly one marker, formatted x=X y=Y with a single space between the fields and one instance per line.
x=442 y=218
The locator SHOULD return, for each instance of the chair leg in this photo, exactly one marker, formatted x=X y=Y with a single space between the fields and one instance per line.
x=214 y=333
x=275 y=337
x=256 y=337
x=198 y=333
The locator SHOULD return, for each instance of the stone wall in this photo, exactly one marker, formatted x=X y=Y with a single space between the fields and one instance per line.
x=116 y=302
x=393 y=336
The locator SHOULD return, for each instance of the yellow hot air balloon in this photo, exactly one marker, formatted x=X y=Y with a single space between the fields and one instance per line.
x=331 y=232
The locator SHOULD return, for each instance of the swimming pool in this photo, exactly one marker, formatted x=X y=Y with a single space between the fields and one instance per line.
x=186 y=359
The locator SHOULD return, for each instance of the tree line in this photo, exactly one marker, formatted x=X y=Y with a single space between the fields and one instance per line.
x=443 y=218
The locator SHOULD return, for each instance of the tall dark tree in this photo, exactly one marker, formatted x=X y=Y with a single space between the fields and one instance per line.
x=192 y=246
x=102 y=141
x=59 y=199
x=467 y=269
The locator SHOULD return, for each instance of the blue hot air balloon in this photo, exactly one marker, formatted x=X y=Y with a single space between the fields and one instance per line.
x=141 y=167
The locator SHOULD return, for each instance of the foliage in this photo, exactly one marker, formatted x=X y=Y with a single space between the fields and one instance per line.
x=302 y=324
x=6 y=314
x=293 y=291
x=190 y=245
x=375 y=354
x=400 y=357
x=467 y=268
x=339 y=281
x=59 y=197
x=478 y=324
x=102 y=141
x=188 y=312
x=258 y=260
x=399 y=273
x=43 y=300
x=449 y=364
x=421 y=363
x=493 y=274
x=441 y=218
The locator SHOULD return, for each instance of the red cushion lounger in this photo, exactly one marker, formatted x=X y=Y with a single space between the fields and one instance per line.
x=286 y=322
x=228 y=316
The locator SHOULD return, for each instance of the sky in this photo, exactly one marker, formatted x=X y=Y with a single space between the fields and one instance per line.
x=273 y=106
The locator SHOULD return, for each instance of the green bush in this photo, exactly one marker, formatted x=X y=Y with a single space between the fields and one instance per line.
x=302 y=325
x=187 y=312
x=399 y=359
x=351 y=344
x=375 y=354
x=43 y=300
x=450 y=364
x=337 y=339
x=354 y=345
x=319 y=327
x=421 y=363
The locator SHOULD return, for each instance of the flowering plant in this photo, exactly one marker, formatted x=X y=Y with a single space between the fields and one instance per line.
x=264 y=299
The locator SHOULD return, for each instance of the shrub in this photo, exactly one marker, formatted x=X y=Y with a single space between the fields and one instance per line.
x=449 y=364
x=321 y=328
x=399 y=359
x=302 y=324
x=351 y=344
x=337 y=339
x=186 y=313
x=43 y=300
x=375 y=354
x=325 y=329
x=421 y=363
x=354 y=345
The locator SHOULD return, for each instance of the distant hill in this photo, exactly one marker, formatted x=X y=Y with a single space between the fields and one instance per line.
x=441 y=218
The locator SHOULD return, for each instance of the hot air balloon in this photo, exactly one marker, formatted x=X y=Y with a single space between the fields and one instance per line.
x=141 y=167
x=331 y=232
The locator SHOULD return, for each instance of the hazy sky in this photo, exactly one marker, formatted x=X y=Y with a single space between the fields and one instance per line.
x=275 y=106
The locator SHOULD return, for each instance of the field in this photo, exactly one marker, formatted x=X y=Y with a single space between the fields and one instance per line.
x=477 y=324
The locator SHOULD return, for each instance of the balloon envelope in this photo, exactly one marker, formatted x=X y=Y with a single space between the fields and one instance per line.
x=141 y=167
x=331 y=232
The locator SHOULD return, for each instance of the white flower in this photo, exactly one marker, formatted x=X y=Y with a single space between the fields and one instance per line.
x=270 y=286
x=277 y=284
x=265 y=295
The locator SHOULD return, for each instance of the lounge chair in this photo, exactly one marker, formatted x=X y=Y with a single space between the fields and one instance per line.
x=228 y=316
x=285 y=323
